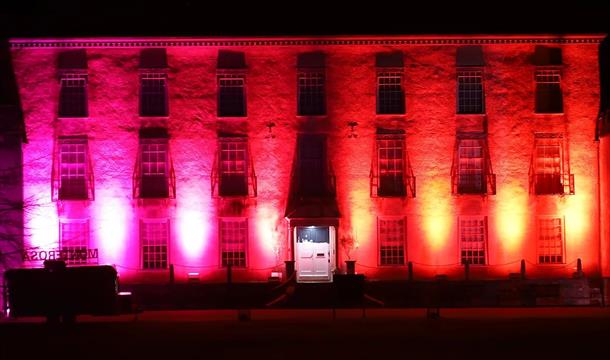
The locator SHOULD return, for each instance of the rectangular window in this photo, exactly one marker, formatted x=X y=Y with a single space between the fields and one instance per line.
x=548 y=166
x=470 y=92
x=73 y=169
x=74 y=241
x=548 y=91
x=154 y=168
x=311 y=93
x=153 y=94
x=73 y=95
x=390 y=93
x=550 y=241
x=390 y=156
x=231 y=95
x=471 y=175
x=154 y=236
x=233 y=167
x=391 y=241
x=473 y=239
x=233 y=242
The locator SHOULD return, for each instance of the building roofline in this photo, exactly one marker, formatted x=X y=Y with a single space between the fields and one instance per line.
x=138 y=42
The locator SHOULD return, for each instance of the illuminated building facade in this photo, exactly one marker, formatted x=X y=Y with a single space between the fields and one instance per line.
x=408 y=152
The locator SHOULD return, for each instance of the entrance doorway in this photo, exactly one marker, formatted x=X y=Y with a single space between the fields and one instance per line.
x=314 y=250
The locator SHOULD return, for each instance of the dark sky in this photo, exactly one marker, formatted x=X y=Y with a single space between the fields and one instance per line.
x=291 y=17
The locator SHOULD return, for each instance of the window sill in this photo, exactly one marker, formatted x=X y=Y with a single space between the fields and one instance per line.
x=391 y=115
x=539 y=114
x=72 y=117
x=243 y=117
x=154 y=117
x=312 y=116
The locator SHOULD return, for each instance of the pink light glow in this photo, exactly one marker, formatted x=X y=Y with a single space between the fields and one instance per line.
x=192 y=234
x=112 y=232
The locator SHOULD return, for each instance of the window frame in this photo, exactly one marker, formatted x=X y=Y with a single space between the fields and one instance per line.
x=539 y=220
x=464 y=187
x=153 y=75
x=243 y=245
x=83 y=141
x=65 y=76
x=144 y=143
x=235 y=141
x=87 y=240
x=485 y=241
x=156 y=221
x=565 y=180
x=387 y=73
x=226 y=75
x=318 y=95
x=380 y=257
x=481 y=76
x=558 y=70
x=398 y=138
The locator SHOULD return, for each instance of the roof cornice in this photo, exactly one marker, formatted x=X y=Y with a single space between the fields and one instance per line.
x=141 y=42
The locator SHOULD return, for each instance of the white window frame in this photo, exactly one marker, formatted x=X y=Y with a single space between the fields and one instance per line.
x=472 y=244
x=153 y=242
x=470 y=90
x=403 y=242
x=541 y=249
x=241 y=245
x=160 y=79
x=80 y=243
x=73 y=80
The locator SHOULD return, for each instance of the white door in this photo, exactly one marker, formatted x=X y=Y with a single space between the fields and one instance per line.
x=313 y=252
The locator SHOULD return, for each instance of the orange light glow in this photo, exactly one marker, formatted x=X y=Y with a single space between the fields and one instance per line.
x=436 y=213
x=511 y=219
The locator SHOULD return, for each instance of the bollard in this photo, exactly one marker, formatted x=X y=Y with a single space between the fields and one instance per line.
x=229 y=274
x=579 y=265
x=467 y=270
x=410 y=267
x=522 y=270
x=171 y=274
x=289 y=268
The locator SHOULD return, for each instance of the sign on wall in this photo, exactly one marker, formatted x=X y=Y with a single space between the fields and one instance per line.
x=72 y=255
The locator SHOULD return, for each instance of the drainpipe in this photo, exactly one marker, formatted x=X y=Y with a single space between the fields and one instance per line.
x=599 y=223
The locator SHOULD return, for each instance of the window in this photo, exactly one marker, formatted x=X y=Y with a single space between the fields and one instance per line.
x=471 y=172
x=548 y=62
x=548 y=91
x=311 y=92
x=73 y=95
x=391 y=166
x=470 y=92
x=231 y=95
x=154 y=168
x=391 y=241
x=473 y=239
x=550 y=167
x=390 y=94
x=233 y=167
x=154 y=235
x=470 y=167
x=154 y=174
x=74 y=183
x=153 y=94
x=550 y=241
x=233 y=242
x=74 y=241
